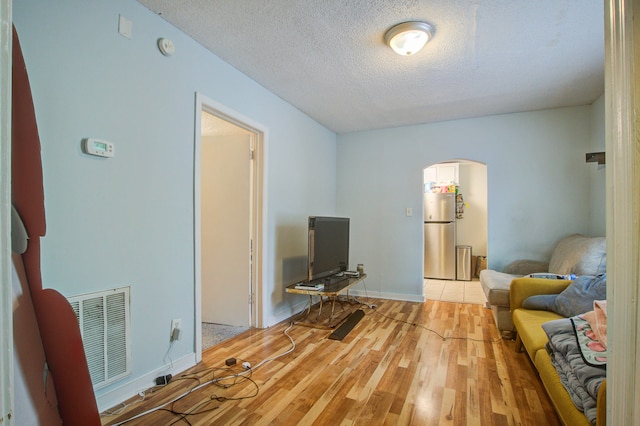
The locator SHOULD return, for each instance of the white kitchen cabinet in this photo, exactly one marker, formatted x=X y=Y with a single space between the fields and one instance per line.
x=442 y=174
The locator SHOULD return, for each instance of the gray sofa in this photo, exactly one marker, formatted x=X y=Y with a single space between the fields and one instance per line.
x=574 y=254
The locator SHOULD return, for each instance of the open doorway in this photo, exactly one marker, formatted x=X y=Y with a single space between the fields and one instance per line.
x=228 y=223
x=455 y=248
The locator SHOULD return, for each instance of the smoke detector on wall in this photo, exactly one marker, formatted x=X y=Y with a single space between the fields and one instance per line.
x=166 y=46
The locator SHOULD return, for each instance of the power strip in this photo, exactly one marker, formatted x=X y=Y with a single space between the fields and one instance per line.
x=163 y=380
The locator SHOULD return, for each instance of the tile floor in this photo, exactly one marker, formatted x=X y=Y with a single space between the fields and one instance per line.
x=454 y=291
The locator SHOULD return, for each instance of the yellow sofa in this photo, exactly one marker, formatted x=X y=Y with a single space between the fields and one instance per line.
x=531 y=336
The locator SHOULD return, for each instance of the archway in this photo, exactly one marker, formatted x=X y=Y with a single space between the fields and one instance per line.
x=460 y=256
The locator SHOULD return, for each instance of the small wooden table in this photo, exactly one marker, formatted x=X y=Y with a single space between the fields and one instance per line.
x=331 y=290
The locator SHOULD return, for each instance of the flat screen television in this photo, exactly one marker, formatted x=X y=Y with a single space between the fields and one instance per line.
x=328 y=246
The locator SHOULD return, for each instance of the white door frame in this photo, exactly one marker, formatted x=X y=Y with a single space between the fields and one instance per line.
x=622 y=100
x=260 y=133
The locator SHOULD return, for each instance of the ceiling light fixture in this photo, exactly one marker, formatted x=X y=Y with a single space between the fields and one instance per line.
x=408 y=38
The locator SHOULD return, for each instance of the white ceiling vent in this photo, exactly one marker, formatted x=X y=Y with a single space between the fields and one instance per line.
x=104 y=325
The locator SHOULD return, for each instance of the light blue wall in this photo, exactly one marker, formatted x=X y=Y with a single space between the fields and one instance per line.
x=538 y=188
x=128 y=221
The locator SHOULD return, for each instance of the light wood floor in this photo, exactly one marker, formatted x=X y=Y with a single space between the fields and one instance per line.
x=389 y=370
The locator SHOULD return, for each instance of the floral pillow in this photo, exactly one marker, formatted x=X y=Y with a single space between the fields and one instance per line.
x=593 y=351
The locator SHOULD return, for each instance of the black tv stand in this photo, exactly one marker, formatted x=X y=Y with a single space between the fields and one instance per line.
x=332 y=289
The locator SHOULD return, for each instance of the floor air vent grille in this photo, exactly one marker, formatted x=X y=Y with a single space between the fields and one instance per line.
x=104 y=325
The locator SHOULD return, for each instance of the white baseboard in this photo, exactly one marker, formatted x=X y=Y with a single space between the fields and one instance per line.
x=115 y=396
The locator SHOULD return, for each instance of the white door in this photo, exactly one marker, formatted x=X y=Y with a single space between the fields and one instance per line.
x=226 y=227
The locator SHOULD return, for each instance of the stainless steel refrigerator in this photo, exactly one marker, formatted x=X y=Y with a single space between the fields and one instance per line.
x=440 y=235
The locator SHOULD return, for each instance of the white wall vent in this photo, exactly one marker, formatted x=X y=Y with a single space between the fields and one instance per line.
x=104 y=325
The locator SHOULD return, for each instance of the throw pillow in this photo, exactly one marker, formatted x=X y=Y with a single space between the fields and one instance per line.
x=580 y=255
x=540 y=302
x=576 y=299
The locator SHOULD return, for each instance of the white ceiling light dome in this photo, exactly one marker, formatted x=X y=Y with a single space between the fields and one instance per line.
x=408 y=38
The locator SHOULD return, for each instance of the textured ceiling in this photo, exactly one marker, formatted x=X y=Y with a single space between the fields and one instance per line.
x=328 y=58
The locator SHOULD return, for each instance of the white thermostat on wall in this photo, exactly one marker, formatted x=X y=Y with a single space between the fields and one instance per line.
x=97 y=147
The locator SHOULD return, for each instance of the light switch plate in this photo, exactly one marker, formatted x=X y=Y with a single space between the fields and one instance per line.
x=125 y=27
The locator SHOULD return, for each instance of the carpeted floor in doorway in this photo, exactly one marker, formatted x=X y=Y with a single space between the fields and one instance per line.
x=212 y=334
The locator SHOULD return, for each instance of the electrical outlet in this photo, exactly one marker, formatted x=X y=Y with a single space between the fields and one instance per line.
x=175 y=325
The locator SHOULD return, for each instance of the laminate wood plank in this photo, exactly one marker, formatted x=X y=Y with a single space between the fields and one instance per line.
x=484 y=389
x=417 y=402
x=367 y=368
x=324 y=392
x=376 y=408
x=448 y=407
x=433 y=363
x=473 y=402
x=404 y=378
x=337 y=402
